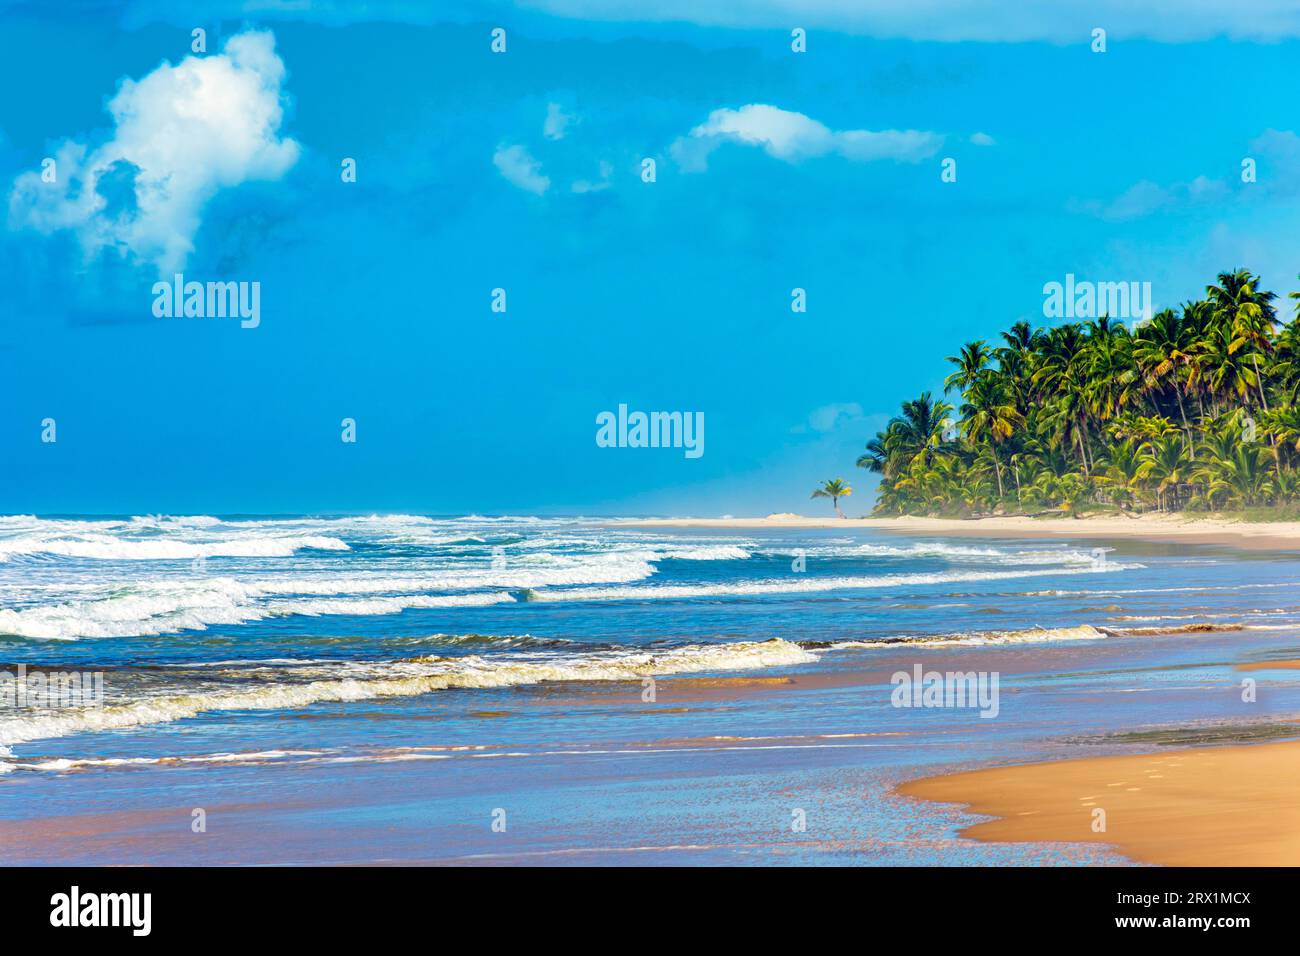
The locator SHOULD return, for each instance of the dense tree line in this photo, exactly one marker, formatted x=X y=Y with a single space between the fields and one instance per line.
x=1194 y=409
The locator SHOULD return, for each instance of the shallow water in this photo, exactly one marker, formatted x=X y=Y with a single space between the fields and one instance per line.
x=389 y=687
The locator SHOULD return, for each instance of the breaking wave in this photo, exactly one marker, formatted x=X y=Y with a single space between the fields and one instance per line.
x=371 y=681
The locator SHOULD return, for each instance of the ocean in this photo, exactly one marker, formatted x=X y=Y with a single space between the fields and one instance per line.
x=412 y=689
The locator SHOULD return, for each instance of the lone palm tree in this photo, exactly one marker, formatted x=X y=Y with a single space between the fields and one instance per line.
x=834 y=489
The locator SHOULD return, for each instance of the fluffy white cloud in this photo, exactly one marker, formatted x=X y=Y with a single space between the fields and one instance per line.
x=182 y=133
x=793 y=137
x=519 y=167
x=982 y=139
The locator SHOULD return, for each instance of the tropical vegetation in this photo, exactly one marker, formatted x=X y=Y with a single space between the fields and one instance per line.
x=1194 y=409
x=834 y=489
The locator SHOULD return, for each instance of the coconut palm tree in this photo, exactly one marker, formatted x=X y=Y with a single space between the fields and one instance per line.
x=1089 y=413
x=1161 y=354
x=1247 y=315
x=1166 y=466
x=972 y=360
x=989 y=416
x=834 y=489
x=1062 y=373
x=917 y=432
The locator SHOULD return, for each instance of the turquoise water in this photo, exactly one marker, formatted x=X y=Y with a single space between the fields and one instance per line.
x=388 y=688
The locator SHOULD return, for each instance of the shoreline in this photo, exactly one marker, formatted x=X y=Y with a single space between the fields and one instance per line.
x=1211 y=806
x=1265 y=535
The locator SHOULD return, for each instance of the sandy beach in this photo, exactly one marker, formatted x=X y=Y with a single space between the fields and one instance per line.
x=1220 y=806
x=1268 y=535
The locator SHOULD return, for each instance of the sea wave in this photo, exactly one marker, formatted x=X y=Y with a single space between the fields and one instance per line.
x=1201 y=628
x=1032 y=635
x=810 y=584
x=377 y=680
x=1029 y=635
x=167 y=605
x=960 y=552
x=163 y=607
x=114 y=548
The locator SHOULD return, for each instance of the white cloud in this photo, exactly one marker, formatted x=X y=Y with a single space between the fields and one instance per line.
x=983 y=139
x=828 y=418
x=1278 y=155
x=793 y=137
x=557 y=121
x=588 y=186
x=1146 y=197
x=1056 y=21
x=519 y=167
x=185 y=132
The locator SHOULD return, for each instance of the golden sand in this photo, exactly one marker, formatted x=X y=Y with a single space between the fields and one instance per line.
x=1147 y=527
x=1291 y=665
x=1220 y=806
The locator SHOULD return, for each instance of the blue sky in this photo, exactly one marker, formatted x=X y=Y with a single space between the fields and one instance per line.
x=522 y=170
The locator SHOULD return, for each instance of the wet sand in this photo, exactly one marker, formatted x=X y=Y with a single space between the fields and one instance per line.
x=1222 y=806
x=712 y=770
x=1290 y=665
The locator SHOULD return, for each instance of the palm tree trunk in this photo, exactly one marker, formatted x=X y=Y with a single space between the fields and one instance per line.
x=997 y=466
x=1182 y=413
x=1259 y=380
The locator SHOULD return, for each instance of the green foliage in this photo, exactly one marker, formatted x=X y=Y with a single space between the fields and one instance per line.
x=1196 y=409
x=834 y=489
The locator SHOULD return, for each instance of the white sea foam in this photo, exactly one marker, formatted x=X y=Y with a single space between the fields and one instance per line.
x=195 y=602
x=959 y=552
x=718 y=552
x=404 y=679
x=163 y=606
x=46 y=597
x=383 y=605
x=113 y=548
x=1033 y=635
x=599 y=569
x=250 y=757
x=809 y=584
x=151 y=608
